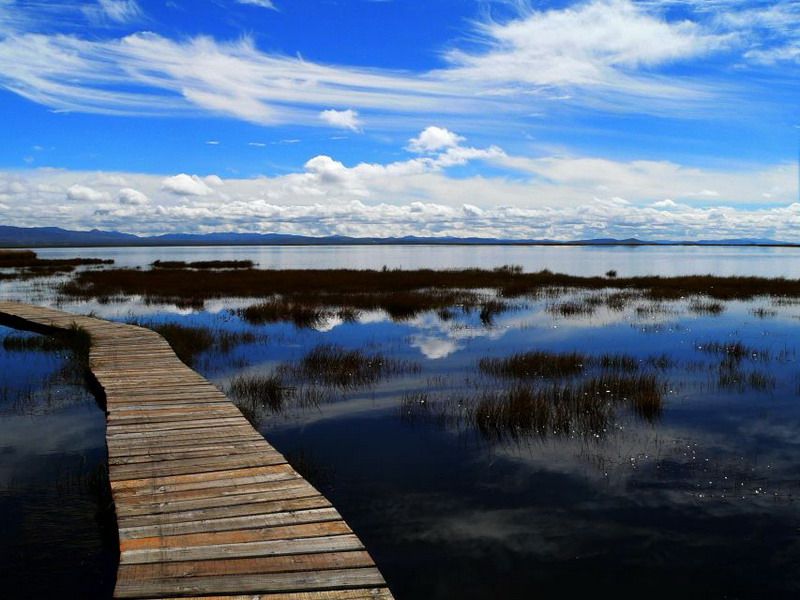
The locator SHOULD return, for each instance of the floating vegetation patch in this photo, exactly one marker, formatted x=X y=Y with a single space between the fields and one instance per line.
x=763 y=313
x=331 y=365
x=203 y=264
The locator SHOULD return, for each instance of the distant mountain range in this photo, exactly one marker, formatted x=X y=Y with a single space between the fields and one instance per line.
x=25 y=237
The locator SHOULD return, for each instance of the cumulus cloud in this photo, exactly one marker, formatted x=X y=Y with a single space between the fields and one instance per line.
x=186 y=185
x=345 y=119
x=434 y=138
x=132 y=197
x=553 y=197
x=82 y=193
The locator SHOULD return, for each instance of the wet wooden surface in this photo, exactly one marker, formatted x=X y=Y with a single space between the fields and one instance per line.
x=206 y=508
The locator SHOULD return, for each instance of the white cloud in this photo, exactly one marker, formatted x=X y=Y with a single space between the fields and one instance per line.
x=602 y=43
x=186 y=185
x=552 y=197
x=611 y=51
x=260 y=3
x=346 y=119
x=120 y=11
x=132 y=197
x=433 y=139
x=82 y=193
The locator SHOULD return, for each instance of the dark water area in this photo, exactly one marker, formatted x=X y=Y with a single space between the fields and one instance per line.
x=665 y=464
x=56 y=524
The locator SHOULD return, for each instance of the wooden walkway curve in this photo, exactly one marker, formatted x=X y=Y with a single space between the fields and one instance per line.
x=206 y=508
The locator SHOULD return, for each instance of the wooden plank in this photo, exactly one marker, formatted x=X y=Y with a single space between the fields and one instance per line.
x=336 y=543
x=288 y=582
x=232 y=524
x=357 y=594
x=286 y=532
x=250 y=565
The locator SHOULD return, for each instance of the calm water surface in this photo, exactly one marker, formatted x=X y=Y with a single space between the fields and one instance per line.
x=575 y=260
x=696 y=499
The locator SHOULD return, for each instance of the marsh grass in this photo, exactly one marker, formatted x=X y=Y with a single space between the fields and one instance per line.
x=405 y=293
x=29 y=259
x=276 y=310
x=705 y=307
x=731 y=377
x=617 y=362
x=586 y=408
x=264 y=391
x=735 y=351
x=190 y=341
x=34 y=343
x=538 y=363
x=337 y=367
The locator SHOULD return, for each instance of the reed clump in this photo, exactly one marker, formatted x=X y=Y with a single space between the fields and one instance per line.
x=258 y=390
x=28 y=259
x=189 y=341
x=277 y=310
x=34 y=343
x=734 y=350
x=703 y=307
x=538 y=363
x=335 y=366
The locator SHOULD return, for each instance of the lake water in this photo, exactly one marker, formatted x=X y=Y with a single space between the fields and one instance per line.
x=575 y=260
x=693 y=496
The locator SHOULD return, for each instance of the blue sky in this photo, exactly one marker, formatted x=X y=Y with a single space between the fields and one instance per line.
x=557 y=119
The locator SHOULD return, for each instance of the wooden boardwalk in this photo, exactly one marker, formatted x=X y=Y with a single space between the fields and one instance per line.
x=206 y=508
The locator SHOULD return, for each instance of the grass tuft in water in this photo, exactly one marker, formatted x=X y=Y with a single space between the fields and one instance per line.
x=334 y=366
x=267 y=391
x=526 y=365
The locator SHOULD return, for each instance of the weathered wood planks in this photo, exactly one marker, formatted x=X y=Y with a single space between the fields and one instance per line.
x=206 y=508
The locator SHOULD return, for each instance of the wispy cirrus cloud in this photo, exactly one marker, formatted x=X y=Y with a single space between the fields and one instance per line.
x=259 y=3
x=613 y=55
